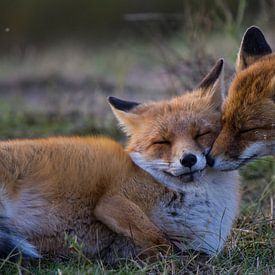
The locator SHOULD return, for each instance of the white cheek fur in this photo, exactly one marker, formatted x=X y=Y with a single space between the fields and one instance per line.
x=254 y=150
x=153 y=168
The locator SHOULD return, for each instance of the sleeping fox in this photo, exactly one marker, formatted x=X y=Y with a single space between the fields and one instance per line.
x=90 y=188
x=248 y=119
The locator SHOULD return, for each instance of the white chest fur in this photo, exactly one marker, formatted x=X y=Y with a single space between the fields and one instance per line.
x=202 y=213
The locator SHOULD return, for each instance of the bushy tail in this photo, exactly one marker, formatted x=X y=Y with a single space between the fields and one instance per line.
x=13 y=244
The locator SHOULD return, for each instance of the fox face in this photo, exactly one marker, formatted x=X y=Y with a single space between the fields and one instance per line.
x=170 y=139
x=248 y=120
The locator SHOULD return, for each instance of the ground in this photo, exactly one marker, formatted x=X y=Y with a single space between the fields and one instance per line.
x=61 y=90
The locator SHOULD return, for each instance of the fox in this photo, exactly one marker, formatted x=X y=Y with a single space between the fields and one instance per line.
x=152 y=196
x=248 y=119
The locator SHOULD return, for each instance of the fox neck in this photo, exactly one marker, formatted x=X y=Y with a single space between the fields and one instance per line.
x=214 y=192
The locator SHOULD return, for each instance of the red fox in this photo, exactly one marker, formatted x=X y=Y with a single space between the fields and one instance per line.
x=90 y=188
x=248 y=130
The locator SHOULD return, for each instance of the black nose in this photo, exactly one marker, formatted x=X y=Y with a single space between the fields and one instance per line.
x=188 y=160
x=210 y=161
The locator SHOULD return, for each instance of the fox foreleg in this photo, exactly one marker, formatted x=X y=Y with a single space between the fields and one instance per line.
x=125 y=217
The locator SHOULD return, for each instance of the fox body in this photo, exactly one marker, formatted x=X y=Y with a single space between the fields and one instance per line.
x=90 y=187
x=54 y=186
x=248 y=130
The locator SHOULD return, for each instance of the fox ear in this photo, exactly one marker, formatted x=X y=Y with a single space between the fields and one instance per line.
x=123 y=111
x=253 y=47
x=213 y=84
x=122 y=105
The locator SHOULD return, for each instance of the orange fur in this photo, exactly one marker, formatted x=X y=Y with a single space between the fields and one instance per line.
x=248 y=113
x=90 y=187
x=170 y=130
x=57 y=185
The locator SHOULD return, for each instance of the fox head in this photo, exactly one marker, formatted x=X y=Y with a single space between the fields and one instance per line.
x=248 y=120
x=170 y=138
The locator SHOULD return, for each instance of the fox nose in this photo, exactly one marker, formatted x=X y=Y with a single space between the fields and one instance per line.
x=210 y=161
x=188 y=160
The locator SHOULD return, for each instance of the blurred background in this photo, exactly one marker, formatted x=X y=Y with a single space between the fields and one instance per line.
x=59 y=60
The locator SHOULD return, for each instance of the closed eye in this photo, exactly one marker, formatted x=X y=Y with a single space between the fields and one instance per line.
x=202 y=134
x=249 y=130
x=161 y=142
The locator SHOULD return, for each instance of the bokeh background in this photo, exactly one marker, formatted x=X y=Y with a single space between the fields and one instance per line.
x=59 y=60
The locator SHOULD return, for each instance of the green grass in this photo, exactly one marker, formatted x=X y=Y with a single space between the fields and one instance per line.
x=15 y=124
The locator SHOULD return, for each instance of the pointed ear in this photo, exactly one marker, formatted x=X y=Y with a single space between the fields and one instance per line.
x=123 y=110
x=213 y=84
x=122 y=105
x=253 y=47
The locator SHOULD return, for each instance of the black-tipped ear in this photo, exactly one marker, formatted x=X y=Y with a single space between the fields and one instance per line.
x=211 y=78
x=122 y=110
x=253 y=47
x=122 y=105
x=254 y=42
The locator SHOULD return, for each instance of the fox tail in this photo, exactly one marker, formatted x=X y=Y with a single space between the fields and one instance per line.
x=12 y=244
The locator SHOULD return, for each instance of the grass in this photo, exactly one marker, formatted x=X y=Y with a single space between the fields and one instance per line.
x=250 y=249
x=19 y=124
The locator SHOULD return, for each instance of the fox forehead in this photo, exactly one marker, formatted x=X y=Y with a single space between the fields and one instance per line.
x=251 y=88
x=256 y=80
x=179 y=111
x=177 y=121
